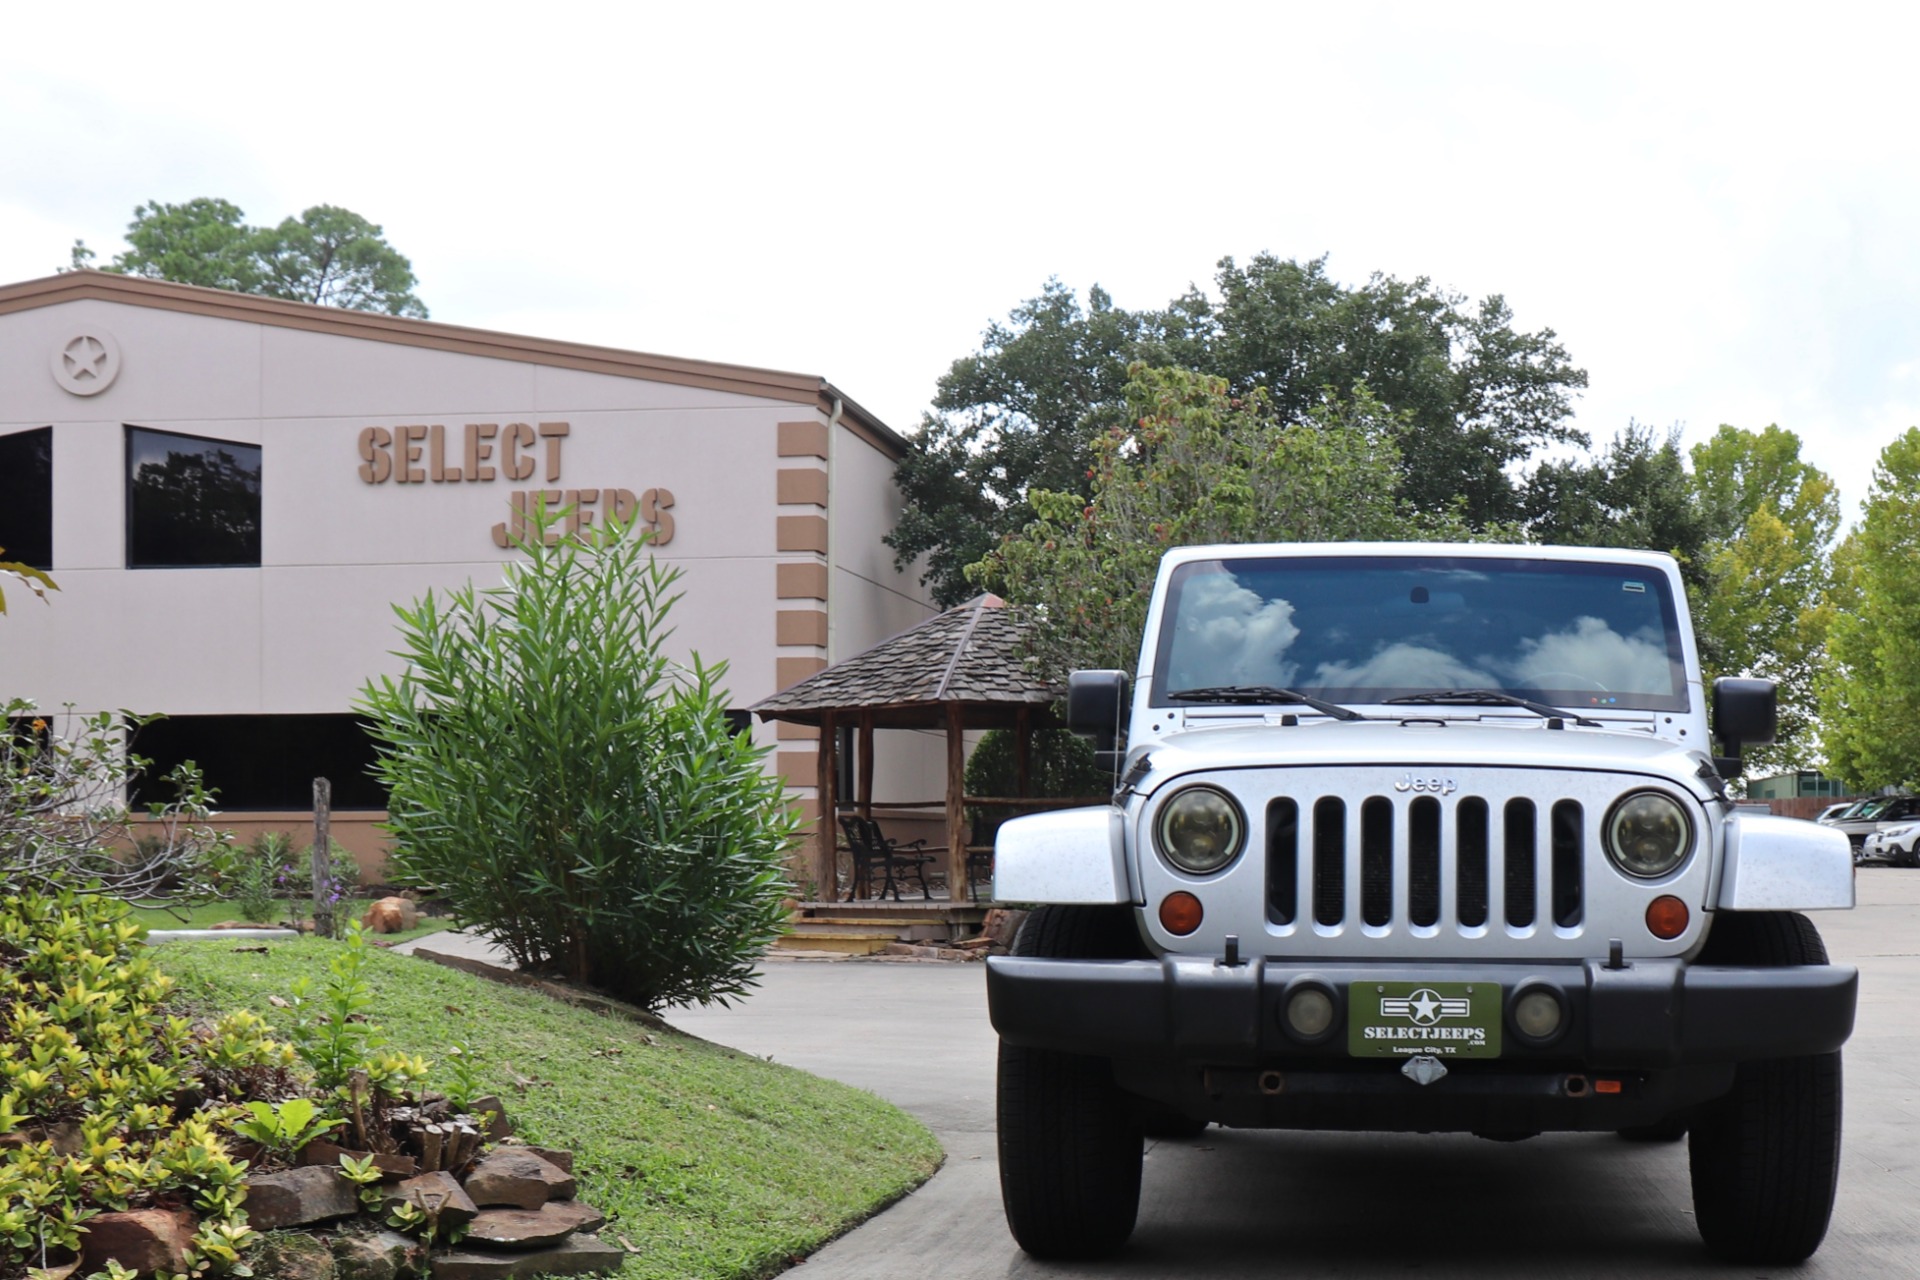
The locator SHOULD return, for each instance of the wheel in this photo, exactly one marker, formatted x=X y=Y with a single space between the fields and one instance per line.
x=1765 y=1158
x=1672 y=1129
x=1070 y=1139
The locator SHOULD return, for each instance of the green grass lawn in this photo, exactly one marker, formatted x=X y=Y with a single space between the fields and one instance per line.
x=209 y=914
x=709 y=1162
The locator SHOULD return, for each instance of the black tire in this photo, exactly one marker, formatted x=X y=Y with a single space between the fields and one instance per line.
x=1765 y=1158
x=1070 y=1139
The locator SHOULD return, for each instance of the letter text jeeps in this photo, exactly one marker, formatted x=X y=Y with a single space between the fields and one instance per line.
x=1421 y=838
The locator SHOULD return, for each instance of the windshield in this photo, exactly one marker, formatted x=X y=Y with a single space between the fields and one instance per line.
x=1368 y=628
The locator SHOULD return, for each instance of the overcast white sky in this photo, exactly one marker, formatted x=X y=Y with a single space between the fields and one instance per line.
x=1714 y=207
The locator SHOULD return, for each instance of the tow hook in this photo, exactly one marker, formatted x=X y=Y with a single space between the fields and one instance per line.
x=1423 y=1069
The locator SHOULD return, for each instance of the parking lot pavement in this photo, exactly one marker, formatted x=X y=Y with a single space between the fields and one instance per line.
x=1234 y=1204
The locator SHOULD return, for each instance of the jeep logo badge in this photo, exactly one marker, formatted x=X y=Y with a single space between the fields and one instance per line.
x=1436 y=786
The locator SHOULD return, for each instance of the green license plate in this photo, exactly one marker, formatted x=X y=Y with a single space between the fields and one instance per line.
x=1445 y=1019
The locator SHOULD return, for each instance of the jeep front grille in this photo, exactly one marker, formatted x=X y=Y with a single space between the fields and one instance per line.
x=1514 y=846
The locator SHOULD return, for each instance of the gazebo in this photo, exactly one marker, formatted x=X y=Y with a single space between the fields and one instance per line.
x=960 y=670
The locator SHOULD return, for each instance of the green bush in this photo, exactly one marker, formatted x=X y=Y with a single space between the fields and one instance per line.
x=1060 y=763
x=89 y=1052
x=572 y=793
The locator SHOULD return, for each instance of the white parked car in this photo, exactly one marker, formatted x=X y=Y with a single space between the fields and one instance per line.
x=1895 y=843
x=1876 y=814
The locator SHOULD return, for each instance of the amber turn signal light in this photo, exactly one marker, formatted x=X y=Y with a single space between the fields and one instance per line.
x=1666 y=917
x=1180 y=913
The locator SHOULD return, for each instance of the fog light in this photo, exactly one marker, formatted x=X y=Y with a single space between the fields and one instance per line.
x=1309 y=1013
x=1538 y=1013
x=1180 y=913
x=1667 y=917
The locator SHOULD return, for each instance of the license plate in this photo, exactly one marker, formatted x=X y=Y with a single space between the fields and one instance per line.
x=1445 y=1019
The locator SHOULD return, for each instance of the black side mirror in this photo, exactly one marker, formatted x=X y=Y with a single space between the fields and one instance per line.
x=1097 y=704
x=1746 y=713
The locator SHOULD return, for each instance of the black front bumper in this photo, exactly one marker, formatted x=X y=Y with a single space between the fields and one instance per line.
x=1649 y=1014
x=1639 y=1043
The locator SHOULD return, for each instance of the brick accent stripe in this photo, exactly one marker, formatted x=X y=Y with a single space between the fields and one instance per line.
x=801 y=485
x=801 y=626
x=806 y=581
x=803 y=439
x=790 y=671
x=801 y=533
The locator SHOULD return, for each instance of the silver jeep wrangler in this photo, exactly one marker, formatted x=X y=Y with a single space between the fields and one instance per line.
x=1420 y=838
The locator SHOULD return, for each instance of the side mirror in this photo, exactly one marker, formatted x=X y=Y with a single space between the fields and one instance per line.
x=1097 y=703
x=1745 y=713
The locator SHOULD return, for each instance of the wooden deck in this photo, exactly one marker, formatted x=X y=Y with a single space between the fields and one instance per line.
x=866 y=926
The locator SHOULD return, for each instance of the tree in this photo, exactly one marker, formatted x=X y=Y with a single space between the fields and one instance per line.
x=1869 y=692
x=1194 y=464
x=64 y=819
x=1465 y=393
x=1766 y=603
x=1635 y=493
x=579 y=798
x=328 y=255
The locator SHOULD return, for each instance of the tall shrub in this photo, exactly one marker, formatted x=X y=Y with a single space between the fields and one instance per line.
x=579 y=798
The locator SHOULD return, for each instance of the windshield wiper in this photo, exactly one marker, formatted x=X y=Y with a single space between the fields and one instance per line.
x=1492 y=698
x=1253 y=693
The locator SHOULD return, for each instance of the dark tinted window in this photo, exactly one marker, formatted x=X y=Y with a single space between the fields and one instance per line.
x=26 y=497
x=191 y=501
x=265 y=762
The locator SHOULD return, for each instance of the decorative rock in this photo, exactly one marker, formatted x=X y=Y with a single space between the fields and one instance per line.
x=517 y=1178
x=532 y=1228
x=500 y=1127
x=384 y=1255
x=576 y=1256
x=322 y=1152
x=147 y=1240
x=561 y=1160
x=390 y=915
x=293 y=1256
x=437 y=1195
x=296 y=1197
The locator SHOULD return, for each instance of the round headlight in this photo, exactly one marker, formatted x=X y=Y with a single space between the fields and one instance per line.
x=1200 y=830
x=1648 y=834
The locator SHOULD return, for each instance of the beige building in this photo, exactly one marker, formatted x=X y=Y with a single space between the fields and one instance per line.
x=233 y=491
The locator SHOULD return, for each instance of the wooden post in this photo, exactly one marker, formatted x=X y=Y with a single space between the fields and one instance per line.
x=826 y=882
x=322 y=858
x=866 y=764
x=956 y=811
x=1022 y=749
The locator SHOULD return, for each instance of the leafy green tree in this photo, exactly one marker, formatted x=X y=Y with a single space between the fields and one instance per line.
x=328 y=255
x=1635 y=493
x=1869 y=692
x=336 y=258
x=1194 y=464
x=1766 y=603
x=1020 y=414
x=1466 y=394
x=579 y=798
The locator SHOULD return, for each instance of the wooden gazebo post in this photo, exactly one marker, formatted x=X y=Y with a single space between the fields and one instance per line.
x=826 y=880
x=956 y=810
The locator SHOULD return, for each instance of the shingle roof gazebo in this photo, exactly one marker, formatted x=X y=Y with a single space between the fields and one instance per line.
x=959 y=670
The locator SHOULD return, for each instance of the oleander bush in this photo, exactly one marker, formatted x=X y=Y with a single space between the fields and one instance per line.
x=572 y=792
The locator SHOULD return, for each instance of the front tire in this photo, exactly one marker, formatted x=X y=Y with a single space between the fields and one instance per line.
x=1070 y=1138
x=1765 y=1158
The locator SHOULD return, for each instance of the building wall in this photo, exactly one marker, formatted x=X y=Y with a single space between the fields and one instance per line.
x=304 y=631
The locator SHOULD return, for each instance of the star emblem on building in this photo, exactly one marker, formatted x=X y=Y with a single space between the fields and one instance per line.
x=84 y=358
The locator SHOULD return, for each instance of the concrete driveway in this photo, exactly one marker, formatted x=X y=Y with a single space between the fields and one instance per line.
x=1250 y=1204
